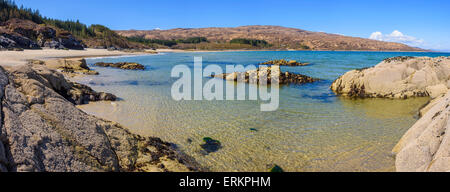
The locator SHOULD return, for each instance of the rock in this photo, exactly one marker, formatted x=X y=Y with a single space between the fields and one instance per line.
x=82 y=94
x=399 y=77
x=122 y=65
x=53 y=44
x=211 y=145
x=426 y=145
x=32 y=75
x=29 y=35
x=276 y=169
x=114 y=49
x=12 y=40
x=42 y=131
x=283 y=62
x=69 y=66
x=6 y=43
x=253 y=76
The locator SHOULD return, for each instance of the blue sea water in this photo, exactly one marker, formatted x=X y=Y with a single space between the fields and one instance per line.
x=313 y=129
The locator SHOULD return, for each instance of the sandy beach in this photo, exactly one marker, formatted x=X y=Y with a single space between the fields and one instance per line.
x=11 y=58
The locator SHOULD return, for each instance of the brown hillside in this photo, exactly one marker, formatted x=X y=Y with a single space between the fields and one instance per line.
x=279 y=37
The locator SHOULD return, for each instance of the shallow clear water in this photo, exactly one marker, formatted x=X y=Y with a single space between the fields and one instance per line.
x=313 y=130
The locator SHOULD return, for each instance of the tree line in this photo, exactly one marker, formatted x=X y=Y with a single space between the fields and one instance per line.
x=168 y=43
x=10 y=10
x=252 y=42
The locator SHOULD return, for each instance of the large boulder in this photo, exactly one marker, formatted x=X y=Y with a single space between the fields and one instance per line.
x=426 y=145
x=41 y=130
x=398 y=77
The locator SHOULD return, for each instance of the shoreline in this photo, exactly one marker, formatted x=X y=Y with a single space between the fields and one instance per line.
x=243 y=50
x=50 y=54
x=13 y=58
x=45 y=90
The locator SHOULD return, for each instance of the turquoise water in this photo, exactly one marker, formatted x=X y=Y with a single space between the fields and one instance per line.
x=313 y=130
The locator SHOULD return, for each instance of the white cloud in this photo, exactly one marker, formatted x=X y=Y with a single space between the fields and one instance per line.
x=399 y=37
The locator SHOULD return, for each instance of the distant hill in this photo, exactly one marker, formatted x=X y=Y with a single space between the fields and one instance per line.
x=278 y=38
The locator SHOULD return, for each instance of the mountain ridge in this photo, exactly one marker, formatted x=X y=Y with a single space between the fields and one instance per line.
x=280 y=37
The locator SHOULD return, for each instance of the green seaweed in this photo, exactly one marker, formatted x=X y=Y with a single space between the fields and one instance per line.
x=276 y=169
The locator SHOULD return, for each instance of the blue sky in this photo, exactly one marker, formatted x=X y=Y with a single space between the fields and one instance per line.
x=415 y=22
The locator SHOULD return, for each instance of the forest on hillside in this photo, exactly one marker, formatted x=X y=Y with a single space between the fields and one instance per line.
x=93 y=35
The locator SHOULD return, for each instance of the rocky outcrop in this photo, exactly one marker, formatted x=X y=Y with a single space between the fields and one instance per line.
x=29 y=35
x=29 y=75
x=399 y=77
x=68 y=66
x=254 y=76
x=11 y=40
x=42 y=130
x=283 y=62
x=122 y=65
x=426 y=145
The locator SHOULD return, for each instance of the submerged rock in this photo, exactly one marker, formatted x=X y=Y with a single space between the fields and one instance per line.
x=42 y=131
x=398 y=77
x=276 y=169
x=211 y=145
x=253 y=76
x=122 y=65
x=283 y=62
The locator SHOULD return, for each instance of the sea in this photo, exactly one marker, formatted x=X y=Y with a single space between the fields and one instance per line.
x=313 y=130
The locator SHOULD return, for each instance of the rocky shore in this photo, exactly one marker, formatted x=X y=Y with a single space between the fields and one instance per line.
x=122 y=65
x=426 y=145
x=398 y=77
x=283 y=62
x=43 y=130
x=70 y=67
x=254 y=76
